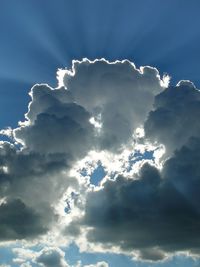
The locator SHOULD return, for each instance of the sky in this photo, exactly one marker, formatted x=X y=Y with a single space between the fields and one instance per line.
x=99 y=151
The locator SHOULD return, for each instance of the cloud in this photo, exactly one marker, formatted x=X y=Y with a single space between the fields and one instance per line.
x=99 y=105
x=47 y=257
x=114 y=95
x=17 y=221
x=51 y=257
x=26 y=264
x=58 y=131
x=22 y=204
x=98 y=264
x=23 y=255
x=174 y=118
x=54 y=125
x=155 y=213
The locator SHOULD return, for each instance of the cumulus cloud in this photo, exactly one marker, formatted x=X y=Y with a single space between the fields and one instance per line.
x=47 y=257
x=18 y=221
x=137 y=213
x=58 y=131
x=54 y=125
x=51 y=257
x=174 y=118
x=155 y=212
x=148 y=208
x=114 y=94
x=26 y=211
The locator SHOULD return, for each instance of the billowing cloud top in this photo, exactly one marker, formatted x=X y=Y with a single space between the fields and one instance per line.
x=147 y=207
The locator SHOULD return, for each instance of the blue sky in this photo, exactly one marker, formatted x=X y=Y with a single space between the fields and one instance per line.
x=39 y=37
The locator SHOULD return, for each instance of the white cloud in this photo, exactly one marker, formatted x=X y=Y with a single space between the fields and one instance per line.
x=98 y=264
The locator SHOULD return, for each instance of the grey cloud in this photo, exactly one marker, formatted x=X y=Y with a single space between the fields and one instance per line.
x=112 y=93
x=48 y=257
x=152 y=254
x=115 y=92
x=32 y=184
x=182 y=171
x=17 y=221
x=175 y=117
x=44 y=97
x=25 y=173
x=51 y=257
x=58 y=127
x=55 y=135
x=155 y=212
x=57 y=131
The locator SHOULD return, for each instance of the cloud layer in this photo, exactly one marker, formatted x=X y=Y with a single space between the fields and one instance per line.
x=150 y=208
